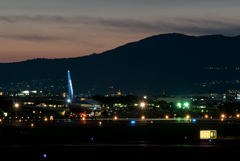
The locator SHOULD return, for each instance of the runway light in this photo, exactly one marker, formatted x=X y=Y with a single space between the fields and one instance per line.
x=166 y=117
x=44 y=155
x=133 y=122
x=143 y=117
x=194 y=120
x=179 y=105
x=91 y=138
x=115 y=117
x=186 y=104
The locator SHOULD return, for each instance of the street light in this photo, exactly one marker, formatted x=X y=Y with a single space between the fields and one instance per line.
x=16 y=105
x=142 y=104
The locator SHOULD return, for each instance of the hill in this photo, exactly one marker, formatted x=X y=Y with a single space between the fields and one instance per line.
x=175 y=63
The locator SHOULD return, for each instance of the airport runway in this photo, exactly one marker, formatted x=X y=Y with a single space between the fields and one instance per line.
x=132 y=138
x=117 y=121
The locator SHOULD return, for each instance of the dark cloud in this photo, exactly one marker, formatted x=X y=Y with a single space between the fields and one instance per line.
x=31 y=37
x=184 y=25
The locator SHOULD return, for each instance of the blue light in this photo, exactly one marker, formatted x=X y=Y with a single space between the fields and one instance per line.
x=210 y=140
x=194 y=120
x=44 y=155
x=95 y=108
x=91 y=138
x=133 y=122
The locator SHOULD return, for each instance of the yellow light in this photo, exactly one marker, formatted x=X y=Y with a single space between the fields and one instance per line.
x=143 y=117
x=20 y=120
x=45 y=119
x=142 y=104
x=208 y=134
x=0 y=120
x=83 y=118
x=205 y=134
x=222 y=119
x=51 y=118
x=100 y=123
x=166 y=116
x=32 y=125
x=222 y=115
x=206 y=116
x=115 y=117
x=187 y=116
x=16 y=105
x=238 y=115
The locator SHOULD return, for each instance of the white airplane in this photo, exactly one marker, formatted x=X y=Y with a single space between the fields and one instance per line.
x=80 y=107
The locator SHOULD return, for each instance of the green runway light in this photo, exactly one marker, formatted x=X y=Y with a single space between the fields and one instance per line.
x=186 y=104
x=179 y=105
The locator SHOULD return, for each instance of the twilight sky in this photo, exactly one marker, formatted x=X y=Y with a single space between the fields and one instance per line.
x=70 y=28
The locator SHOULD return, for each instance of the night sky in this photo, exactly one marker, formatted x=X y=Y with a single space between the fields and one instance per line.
x=70 y=28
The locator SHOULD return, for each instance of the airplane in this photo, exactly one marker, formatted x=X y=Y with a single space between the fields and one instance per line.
x=80 y=107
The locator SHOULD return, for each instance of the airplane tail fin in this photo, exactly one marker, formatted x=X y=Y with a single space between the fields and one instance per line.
x=70 y=87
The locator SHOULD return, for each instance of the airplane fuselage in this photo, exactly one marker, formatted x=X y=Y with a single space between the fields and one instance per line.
x=80 y=107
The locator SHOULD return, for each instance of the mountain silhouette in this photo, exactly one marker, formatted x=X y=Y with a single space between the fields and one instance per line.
x=176 y=63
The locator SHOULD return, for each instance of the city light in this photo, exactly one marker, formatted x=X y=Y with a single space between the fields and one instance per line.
x=142 y=104
x=187 y=116
x=115 y=118
x=143 y=117
x=238 y=115
x=51 y=118
x=206 y=116
x=223 y=116
x=166 y=117
x=16 y=105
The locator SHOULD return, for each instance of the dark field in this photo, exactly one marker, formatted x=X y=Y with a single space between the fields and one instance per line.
x=120 y=139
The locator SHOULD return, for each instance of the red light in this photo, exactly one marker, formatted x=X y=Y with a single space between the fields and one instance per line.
x=84 y=115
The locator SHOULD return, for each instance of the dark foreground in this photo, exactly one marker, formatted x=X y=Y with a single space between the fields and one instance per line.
x=118 y=139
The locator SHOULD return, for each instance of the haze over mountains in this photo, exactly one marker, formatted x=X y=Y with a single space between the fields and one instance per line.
x=175 y=63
